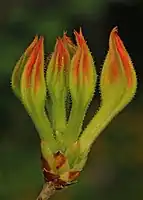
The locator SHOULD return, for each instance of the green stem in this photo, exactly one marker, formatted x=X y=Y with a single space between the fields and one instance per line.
x=95 y=127
x=59 y=115
x=74 y=125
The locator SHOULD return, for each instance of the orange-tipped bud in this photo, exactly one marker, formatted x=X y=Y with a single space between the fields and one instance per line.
x=32 y=87
x=118 y=85
x=69 y=45
x=57 y=78
x=18 y=70
x=82 y=80
x=82 y=72
x=34 y=68
x=118 y=78
x=61 y=55
x=32 y=80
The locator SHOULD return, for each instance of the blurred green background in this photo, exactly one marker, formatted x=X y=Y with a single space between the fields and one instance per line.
x=115 y=166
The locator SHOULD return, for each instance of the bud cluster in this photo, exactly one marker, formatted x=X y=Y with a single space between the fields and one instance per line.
x=47 y=90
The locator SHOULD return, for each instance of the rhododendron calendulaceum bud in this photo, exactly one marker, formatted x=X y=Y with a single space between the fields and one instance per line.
x=47 y=90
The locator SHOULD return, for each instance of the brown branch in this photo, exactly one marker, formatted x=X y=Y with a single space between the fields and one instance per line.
x=47 y=191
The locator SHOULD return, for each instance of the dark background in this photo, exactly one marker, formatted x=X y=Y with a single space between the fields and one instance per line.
x=115 y=166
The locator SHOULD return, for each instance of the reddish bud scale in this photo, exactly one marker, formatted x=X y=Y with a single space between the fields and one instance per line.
x=20 y=65
x=123 y=56
x=113 y=73
x=67 y=40
x=69 y=45
x=29 y=67
x=32 y=46
x=115 y=70
x=76 y=64
x=61 y=55
x=38 y=65
x=81 y=57
x=73 y=175
x=34 y=61
x=79 y=38
x=49 y=175
x=86 y=62
x=60 y=159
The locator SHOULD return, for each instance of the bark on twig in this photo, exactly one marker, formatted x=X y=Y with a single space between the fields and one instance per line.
x=47 y=191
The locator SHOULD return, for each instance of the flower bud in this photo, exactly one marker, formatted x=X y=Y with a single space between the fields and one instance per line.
x=82 y=72
x=57 y=78
x=71 y=70
x=118 y=78
x=18 y=70
x=118 y=85
x=29 y=84
x=82 y=80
